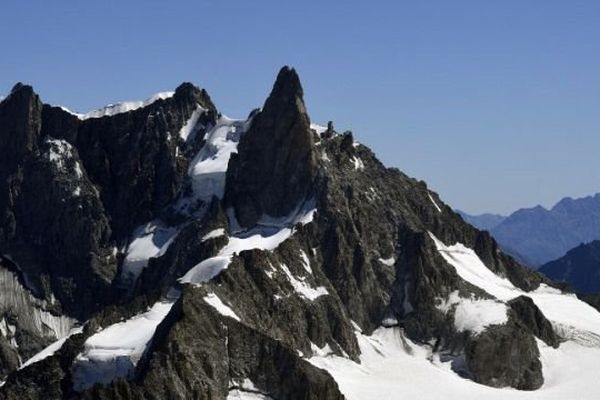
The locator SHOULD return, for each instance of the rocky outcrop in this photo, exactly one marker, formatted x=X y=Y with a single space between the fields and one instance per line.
x=532 y=317
x=506 y=355
x=275 y=167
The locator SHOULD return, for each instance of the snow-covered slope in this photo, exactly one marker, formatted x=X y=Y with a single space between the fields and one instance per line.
x=392 y=367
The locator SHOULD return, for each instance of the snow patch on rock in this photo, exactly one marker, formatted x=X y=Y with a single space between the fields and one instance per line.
x=148 y=241
x=472 y=314
x=215 y=302
x=114 y=351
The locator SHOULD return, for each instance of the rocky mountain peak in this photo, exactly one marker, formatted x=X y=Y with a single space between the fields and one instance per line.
x=190 y=93
x=276 y=164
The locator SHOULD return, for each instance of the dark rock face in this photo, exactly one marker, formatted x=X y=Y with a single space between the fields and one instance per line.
x=505 y=355
x=133 y=158
x=532 y=317
x=72 y=190
x=579 y=268
x=275 y=167
x=366 y=258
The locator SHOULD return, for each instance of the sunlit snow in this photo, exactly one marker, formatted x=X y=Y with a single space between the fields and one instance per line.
x=149 y=241
x=394 y=367
x=564 y=310
x=126 y=106
x=214 y=301
x=114 y=351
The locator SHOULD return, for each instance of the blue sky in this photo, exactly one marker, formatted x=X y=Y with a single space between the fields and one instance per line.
x=495 y=104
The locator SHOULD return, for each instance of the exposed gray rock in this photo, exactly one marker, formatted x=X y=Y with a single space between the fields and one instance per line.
x=275 y=167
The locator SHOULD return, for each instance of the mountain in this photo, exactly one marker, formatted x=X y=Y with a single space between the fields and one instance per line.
x=536 y=235
x=484 y=221
x=159 y=249
x=580 y=268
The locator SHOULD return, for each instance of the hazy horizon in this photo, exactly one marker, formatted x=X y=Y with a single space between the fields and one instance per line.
x=493 y=105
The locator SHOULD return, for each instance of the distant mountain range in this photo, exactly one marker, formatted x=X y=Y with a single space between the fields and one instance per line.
x=537 y=235
x=483 y=221
x=580 y=268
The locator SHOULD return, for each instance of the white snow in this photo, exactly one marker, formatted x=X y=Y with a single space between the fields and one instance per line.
x=59 y=151
x=208 y=167
x=189 y=129
x=237 y=394
x=246 y=390
x=434 y=203
x=388 y=261
x=149 y=241
x=393 y=367
x=472 y=314
x=114 y=351
x=358 y=163
x=118 y=108
x=303 y=288
x=51 y=349
x=268 y=234
x=565 y=310
x=318 y=128
x=305 y=261
x=213 y=234
x=223 y=309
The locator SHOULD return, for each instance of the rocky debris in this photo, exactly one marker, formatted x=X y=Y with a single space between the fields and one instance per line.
x=275 y=167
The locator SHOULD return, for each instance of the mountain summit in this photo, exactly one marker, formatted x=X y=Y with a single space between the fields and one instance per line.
x=160 y=249
x=275 y=166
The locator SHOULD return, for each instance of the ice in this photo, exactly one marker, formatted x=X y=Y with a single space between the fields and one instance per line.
x=118 y=108
x=114 y=351
x=190 y=128
x=51 y=349
x=472 y=314
x=434 y=203
x=149 y=241
x=223 y=309
x=560 y=308
x=392 y=367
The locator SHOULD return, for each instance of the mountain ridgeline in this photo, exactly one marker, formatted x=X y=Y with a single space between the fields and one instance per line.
x=537 y=235
x=168 y=251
